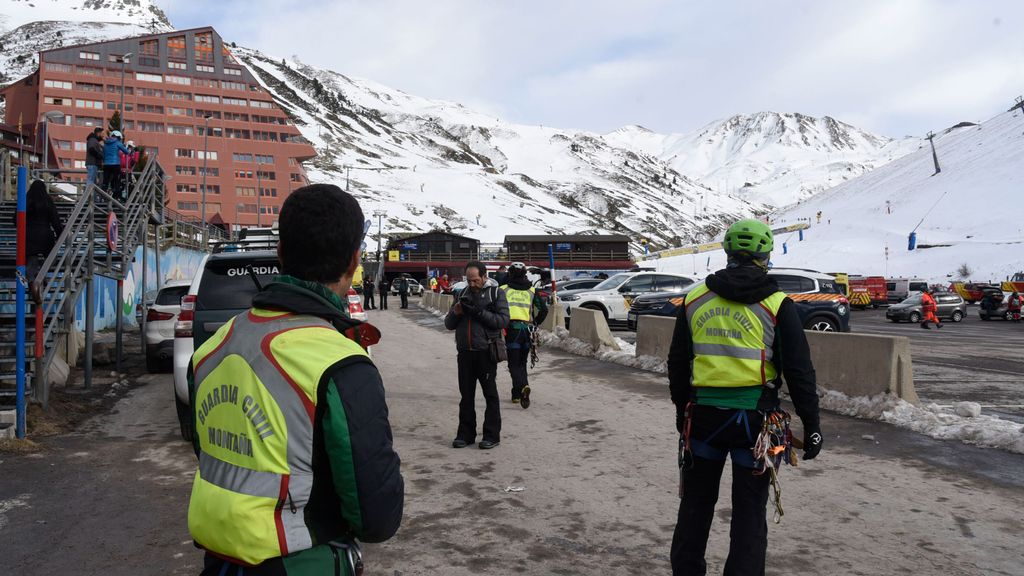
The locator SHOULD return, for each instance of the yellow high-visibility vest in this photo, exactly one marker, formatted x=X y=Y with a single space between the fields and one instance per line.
x=255 y=401
x=732 y=342
x=520 y=303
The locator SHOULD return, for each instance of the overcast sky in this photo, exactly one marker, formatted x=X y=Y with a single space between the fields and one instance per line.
x=895 y=67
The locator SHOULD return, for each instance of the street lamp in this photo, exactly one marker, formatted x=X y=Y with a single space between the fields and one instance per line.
x=380 y=214
x=206 y=152
x=124 y=60
x=46 y=118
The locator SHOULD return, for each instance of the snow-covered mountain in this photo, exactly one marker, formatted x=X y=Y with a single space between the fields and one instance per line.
x=769 y=157
x=967 y=214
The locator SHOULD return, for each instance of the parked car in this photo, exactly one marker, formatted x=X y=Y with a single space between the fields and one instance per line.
x=161 y=313
x=415 y=288
x=819 y=302
x=355 y=306
x=615 y=296
x=993 y=309
x=222 y=289
x=950 y=306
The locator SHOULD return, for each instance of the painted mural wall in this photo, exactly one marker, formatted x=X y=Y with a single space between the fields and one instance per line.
x=175 y=264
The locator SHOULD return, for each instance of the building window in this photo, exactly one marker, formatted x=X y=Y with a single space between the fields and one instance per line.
x=62 y=84
x=245 y=191
x=193 y=206
x=79 y=164
x=151 y=126
x=179 y=111
x=261 y=104
x=270 y=209
x=236 y=133
x=203 y=46
x=205 y=83
x=150 y=92
x=205 y=68
x=87 y=87
x=145 y=77
x=172 y=95
x=179 y=129
x=58 y=67
x=182 y=80
x=267 y=136
x=202 y=113
x=90 y=71
x=232 y=71
x=212 y=207
x=207 y=98
x=215 y=131
x=177 y=66
x=176 y=47
x=184 y=153
x=94 y=104
x=241 y=157
x=115 y=89
x=235 y=116
x=268 y=192
x=295 y=177
x=210 y=188
x=229 y=85
x=235 y=101
x=151 y=108
x=56 y=101
x=185 y=170
x=116 y=105
x=66 y=145
x=211 y=171
x=88 y=121
x=89 y=55
x=149 y=47
x=292 y=162
x=244 y=174
x=265 y=175
x=246 y=209
x=182 y=187
x=264 y=158
x=210 y=155
x=149 y=62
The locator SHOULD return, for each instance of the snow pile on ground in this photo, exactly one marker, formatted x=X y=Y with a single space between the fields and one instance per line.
x=931 y=420
x=625 y=355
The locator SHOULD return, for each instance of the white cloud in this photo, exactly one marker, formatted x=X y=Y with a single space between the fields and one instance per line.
x=895 y=67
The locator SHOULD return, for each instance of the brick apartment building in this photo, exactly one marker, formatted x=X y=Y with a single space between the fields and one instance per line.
x=177 y=85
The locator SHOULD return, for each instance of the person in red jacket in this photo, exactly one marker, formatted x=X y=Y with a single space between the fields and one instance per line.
x=929 y=308
x=1013 y=306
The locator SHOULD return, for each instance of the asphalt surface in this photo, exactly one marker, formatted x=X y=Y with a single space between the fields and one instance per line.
x=584 y=482
x=973 y=360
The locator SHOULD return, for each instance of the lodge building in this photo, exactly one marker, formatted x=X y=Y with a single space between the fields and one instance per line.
x=187 y=99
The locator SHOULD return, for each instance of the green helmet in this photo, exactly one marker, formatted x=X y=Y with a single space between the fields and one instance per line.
x=751 y=236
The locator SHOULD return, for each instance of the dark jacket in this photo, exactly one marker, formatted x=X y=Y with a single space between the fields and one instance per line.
x=474 y=331
x=791 y=355
x=403 y=285
x=357 y=484
x=368 y=287
x=42 y=227
x=93 y=150
x=383 y=286
x=112 y=149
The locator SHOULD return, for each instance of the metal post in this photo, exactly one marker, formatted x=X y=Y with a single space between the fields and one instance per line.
x=206 y=152
x=551 y=262
x=90 y=294
x=145 y=266
x=935 y=157
x=259 y=196
x=124 y=60
x=19 y=401
x=119 y=322
x=46 y=142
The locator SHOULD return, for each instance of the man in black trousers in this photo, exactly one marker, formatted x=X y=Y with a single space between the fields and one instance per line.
x=368 y=288
x=383 y=291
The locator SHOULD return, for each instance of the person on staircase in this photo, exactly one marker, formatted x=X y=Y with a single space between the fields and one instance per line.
x=112 y=150
x=43 y=226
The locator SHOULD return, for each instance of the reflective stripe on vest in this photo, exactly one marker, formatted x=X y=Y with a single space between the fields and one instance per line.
x=520 y=303
x=732 y=342
x=255 y=401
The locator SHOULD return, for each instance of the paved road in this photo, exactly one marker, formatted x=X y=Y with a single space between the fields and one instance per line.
x=594 y=456
x=974 y=360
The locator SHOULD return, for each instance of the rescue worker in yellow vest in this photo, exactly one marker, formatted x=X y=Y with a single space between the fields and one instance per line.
x=735 y=338
x=526 y=310
x=295 y=449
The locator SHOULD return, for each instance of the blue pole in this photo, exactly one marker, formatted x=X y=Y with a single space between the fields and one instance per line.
x=551 y=266
x=19 y=429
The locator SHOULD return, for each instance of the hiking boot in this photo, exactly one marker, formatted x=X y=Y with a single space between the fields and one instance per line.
x=515 y=400
x=460 y=443
x=925 y=326
x=525 y=402
x=488 y=444
x=939 y=325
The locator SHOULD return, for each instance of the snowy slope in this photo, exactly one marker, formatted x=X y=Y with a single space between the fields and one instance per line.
x=770 y=157
x=970 y=213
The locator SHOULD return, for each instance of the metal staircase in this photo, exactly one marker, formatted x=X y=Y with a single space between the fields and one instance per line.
x=82 y=251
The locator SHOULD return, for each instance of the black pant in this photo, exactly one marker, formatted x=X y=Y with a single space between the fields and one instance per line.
x=369 y=299
x=748 y=534
x=112 y=179
x=518 y=346
x=473 y=366
x=384 y=300
x=405 y=299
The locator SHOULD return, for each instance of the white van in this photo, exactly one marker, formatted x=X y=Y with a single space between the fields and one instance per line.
x=900 y=288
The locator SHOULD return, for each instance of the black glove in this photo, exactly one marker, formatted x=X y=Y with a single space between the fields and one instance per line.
x=469 y=308
x=812 y=441
x=680 y=420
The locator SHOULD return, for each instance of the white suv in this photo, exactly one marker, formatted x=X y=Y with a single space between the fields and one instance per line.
x=614 y=296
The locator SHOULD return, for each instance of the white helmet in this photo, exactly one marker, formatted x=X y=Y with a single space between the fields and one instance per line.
x=131 y=143
x=116 y=134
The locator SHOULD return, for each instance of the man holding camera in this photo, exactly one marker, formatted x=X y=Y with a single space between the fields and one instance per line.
x=479 y=315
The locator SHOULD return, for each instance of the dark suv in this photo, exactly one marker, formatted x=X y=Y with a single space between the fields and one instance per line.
x=948 y=304
x=818 y=300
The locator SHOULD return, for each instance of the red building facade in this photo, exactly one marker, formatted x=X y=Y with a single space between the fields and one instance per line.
x=186 y=99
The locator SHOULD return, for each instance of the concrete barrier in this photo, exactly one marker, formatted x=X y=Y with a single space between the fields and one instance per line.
x=445 y=302
x=429 y=300
x=591 y=327
x=653 y=335
x=863 y=364
x=555 y=317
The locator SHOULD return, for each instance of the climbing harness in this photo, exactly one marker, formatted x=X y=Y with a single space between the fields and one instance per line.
x=685 y=455
x=534 y=344
x=773 y=447
x=353 y=557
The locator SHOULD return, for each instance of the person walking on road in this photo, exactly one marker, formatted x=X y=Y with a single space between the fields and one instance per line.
x=526 y=310
x=929 y=308
x=403 y=290
x=735 y=338
x=382 y=290
x=478 y=317
x=296 y=463
x=368 y=288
